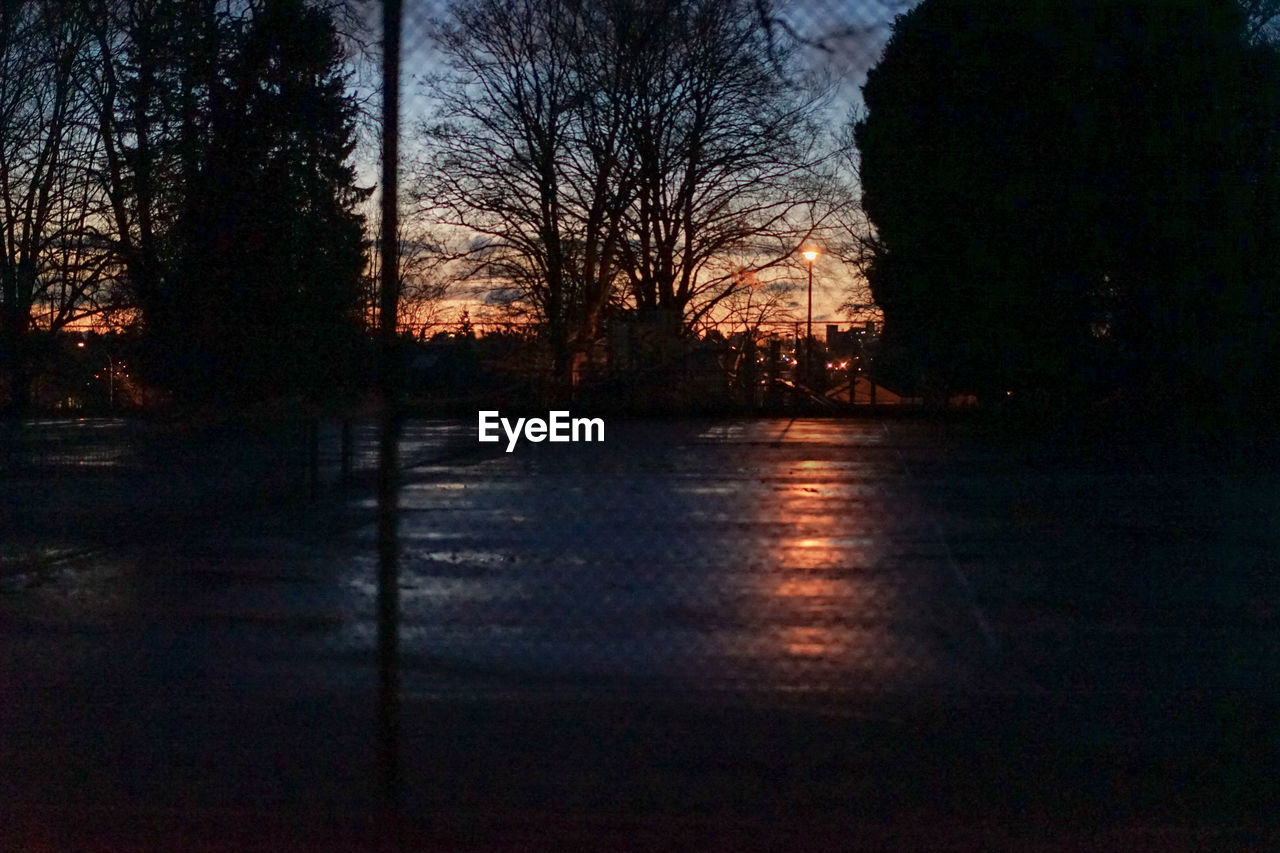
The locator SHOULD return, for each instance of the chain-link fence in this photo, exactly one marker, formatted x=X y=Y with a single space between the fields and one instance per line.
x=730 y=367
x=505 y=608
x=842 y=38
x=549 y=152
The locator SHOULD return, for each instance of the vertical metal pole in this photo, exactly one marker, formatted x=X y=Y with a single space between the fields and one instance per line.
x=389 y=244
x=808 y=334
x=388 y=445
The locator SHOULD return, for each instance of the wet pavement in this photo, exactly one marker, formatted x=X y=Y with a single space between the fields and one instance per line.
x=708 y=634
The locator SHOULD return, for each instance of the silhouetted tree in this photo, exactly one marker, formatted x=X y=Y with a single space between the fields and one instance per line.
x=46 y=190
x=725 y=153
x=267 y=250
x=1077 y=193
x=146 y=109
x=627 y=150
x=426 y=278
x=506 y=161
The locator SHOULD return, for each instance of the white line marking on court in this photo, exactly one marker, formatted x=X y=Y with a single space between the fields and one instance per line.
x=962 y=579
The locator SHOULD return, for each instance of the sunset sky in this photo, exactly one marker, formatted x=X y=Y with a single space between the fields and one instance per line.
x=847 y=37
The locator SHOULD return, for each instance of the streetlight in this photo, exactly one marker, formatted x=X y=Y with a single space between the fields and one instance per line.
x=810 y=255
x=111 y=379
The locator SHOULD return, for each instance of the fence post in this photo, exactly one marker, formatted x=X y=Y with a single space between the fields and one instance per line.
x=389 y=378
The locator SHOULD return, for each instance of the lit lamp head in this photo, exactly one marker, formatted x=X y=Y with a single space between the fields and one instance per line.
x=810 y=255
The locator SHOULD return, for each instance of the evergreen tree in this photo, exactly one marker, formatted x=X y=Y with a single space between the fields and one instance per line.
x=268 y=251
x=1075 y=193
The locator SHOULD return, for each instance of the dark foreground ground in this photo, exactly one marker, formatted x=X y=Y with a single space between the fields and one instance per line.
x=722 y=635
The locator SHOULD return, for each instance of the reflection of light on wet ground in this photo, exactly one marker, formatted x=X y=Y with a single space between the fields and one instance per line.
x=762 y=558
x=789 y=569
x=809 y=587
x=85 y=443
x=810 y=641
x=842 y=600
x=74 y=424
x=89 y=589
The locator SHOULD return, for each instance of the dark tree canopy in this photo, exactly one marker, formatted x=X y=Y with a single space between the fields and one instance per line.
x=267 y=250
x=1076 y=195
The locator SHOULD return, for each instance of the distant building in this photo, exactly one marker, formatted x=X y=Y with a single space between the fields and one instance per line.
x=853 y=341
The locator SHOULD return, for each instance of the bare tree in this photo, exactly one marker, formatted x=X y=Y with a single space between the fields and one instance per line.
x=79 y=276
x=135 y=121
x=158 y=71
x=426 y=277
x=754 y=305
x=523 y=153
x=851 y=236
x=630 y=151
x=42 y=151
x=726 y=157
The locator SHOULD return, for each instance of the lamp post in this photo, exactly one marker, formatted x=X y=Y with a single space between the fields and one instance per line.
x=810 y=255
x=111 y=378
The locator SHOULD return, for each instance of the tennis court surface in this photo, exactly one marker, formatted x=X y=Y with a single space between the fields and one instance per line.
x=720 y=634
